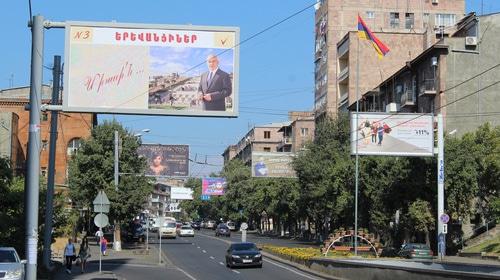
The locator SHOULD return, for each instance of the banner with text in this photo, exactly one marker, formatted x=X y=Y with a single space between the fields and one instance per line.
x=267 y=164
x=151 y=69
x=392 y=134
x=213 y=186
x=181 y=193
x=166 y=160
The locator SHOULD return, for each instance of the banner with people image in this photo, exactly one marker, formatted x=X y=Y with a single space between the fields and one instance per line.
x=213 y=186
x=272 y=164
x=400 y=134
x=166 y=160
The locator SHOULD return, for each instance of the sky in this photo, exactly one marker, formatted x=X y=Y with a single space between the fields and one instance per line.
x=276 y=66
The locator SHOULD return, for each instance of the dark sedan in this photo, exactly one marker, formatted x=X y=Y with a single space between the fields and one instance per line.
x=416 y=251
x=196 y=225
x=222 y=230
x=243 y=254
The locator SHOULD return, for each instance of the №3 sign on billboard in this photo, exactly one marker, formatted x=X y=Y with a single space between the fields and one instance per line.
x=150 y=69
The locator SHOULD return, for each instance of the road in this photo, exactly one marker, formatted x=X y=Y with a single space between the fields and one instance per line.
x=202 y=257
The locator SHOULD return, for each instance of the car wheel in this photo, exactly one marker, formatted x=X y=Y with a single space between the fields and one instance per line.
x=259 y=266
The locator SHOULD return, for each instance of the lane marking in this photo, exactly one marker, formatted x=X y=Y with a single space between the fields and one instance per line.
x=235 y=271
x=212 y=258
x=198 y=247
x=204 y=251
x=289 y=269
x=185 y=273
x=221 y=263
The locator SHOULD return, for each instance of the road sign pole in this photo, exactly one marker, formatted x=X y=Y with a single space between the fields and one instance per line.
x=440 y=190
x=100 y=241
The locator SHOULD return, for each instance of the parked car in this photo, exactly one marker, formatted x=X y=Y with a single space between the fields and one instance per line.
x=416 y=251
x=136 y=233
x=222 y=230
x=196 y=225
x=210 y=224
x=185 y=231
x=243 y=254
x=231 y=226
x=11 y=266
x=169 y=229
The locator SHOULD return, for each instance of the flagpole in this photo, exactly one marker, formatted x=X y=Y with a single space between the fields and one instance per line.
x=357 y=156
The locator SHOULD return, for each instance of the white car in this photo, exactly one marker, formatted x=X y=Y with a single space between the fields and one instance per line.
x=11 y=266
x=185 y=231
x=231 y=226
x=210 y=224
x=168 y=230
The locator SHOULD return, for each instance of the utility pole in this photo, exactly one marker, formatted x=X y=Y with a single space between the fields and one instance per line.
x=32 y=186
x=440 y=187
x=117 y=175
x=47 y=236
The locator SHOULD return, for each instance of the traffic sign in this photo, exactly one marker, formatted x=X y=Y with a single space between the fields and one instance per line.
x=244 y=226
x=444 y=218
x=101 y=220
x=445 y=228
x=205 y=197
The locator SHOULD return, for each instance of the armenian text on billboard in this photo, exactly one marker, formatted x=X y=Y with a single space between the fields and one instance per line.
x=213 y=186
x=166 y=160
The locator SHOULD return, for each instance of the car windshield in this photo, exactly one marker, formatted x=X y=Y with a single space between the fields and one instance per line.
x=420 y=246
x=222 y=226
x=186 y=227
x=244 y=247
x=170 y=225
x=7 y=257
x=230 y=224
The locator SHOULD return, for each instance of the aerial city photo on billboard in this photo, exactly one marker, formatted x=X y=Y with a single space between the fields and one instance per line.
x=213 y=186
x=166 y=160
x=267 y=164
x=392 y=134
x=151 y=69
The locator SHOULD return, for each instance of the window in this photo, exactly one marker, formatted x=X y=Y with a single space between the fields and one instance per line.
x=409 y=20
x=267 y=149
x=74 y=145
x=370 y=14
x=394 y=20
x=45 y=117
x=44 y=172
x=304 y=131
x=45 y=144
x=267 y=134
x=444 y=19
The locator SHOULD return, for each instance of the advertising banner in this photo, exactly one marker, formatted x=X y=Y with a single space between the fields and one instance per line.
x=266 y=164
x=392 y=134
x=213 y=186
x=173 y=207
x=166 y=160
x=148 y=69
x=181 y=193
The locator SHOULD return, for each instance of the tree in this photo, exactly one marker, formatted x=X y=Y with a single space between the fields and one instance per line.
x=92 y=169
x=421 y=218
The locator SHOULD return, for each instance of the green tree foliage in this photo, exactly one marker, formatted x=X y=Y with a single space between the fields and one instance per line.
x=92 y=169
x=421 y=218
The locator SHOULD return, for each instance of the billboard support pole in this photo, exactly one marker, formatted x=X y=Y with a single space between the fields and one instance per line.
x=116 y=160
x=440 y=210
x=357 y=156
x=33 y=166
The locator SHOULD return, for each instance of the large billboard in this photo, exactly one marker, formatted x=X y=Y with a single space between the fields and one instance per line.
x=267 y=164
x=181 y=193
x=151 y=69
x=166 y=160
x=213 y=186
x=392 y=134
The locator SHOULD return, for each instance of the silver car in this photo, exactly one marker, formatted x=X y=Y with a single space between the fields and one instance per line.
x=11 y=267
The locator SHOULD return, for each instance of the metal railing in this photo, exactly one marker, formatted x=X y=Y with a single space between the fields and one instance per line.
x=408 y=98
x=428 y=86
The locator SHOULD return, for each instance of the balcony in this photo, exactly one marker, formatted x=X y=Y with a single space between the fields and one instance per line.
x=343 y=74
x=286 y=142
x=408 y=98
x=427 y=87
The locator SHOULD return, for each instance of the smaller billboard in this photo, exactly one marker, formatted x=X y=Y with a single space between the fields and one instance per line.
x=392 y=134
x=204 y=197
x=181 y=193
x=213 y=186
x=267 y=164
x=173 y=207
x=166 y=160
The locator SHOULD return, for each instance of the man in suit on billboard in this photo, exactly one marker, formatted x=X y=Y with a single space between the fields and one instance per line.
x=215 y=86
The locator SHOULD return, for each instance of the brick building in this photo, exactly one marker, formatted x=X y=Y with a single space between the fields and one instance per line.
x=14 y=120
x=407 y=26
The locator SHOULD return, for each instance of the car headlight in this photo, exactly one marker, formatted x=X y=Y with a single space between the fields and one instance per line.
x=14 y=273
x=257 y=256
x=235 y=256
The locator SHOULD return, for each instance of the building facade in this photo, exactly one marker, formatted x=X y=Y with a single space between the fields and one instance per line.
x=14 y=134
x=298 y=132
x=406 y=26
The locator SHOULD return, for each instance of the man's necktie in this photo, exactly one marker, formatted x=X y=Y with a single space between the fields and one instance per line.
x=209 y=78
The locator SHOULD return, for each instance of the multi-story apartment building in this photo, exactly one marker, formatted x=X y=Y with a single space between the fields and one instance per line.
x=407 y=27
x=457 y=77
x=14 y=124
x=298 y=132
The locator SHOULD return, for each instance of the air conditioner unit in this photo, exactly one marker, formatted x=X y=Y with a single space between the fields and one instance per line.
x=471 y=41
x=435 y=1
x=392 y=108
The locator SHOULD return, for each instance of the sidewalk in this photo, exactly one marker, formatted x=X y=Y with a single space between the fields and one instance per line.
x=133 y=255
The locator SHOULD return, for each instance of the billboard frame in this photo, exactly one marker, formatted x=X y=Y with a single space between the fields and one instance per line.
x=385 y=116
x=159 y=112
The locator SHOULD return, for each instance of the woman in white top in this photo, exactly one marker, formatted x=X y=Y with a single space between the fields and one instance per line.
x=69 y=254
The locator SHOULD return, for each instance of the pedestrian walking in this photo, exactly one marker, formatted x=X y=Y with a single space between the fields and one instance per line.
x=84 y=254
x=104 y=246
x=98 y=234
x=69 y=254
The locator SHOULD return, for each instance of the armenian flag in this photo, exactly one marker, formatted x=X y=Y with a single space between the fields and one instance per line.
x=365 y=33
